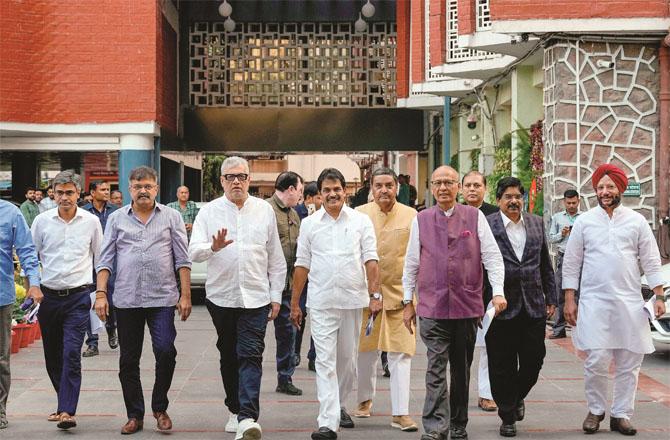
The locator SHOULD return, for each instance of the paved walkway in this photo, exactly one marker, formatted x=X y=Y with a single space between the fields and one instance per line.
x=554 y=409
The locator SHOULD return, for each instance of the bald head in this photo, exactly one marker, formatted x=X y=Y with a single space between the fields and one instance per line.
x=445 y=186
x=444 y=170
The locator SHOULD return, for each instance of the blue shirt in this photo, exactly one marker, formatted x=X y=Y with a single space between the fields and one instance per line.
x=102 y=216
x=14 y=233
x=558 y=222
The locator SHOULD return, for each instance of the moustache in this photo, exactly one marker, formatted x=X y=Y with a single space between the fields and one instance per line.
x=513 y=205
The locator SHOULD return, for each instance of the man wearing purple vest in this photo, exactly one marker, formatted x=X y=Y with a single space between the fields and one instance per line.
x=515 y=340
x=448 y=244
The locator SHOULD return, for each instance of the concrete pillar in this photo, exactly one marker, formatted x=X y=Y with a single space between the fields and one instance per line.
x=136 y=150
x=527 y=106
x=446 y=137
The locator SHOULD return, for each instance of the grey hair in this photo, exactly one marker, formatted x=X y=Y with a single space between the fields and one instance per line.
x=143 y=172
x=65 y=177
x=232 y=162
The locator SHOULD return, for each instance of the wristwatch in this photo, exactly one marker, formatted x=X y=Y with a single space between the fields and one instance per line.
x=406 y=301
x=376 y=295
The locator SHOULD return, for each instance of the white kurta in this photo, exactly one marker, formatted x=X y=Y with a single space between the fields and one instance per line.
x=605 y=252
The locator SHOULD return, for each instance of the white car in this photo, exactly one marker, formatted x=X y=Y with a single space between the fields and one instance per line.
x=660 y=328
x=198 y=270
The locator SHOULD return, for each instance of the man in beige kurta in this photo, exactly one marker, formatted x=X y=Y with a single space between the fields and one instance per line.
x=392 y=221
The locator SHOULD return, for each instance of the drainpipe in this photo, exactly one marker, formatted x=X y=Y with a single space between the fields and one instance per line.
x=664 y=149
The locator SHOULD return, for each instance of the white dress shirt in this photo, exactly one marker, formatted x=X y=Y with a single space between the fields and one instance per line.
x=601 y=260
x=516 y=232
x=250 y=272
x=335 y=251
x=491 y=257
x=67 y=250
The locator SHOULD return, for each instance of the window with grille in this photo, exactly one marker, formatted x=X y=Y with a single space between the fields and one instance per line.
x=292 y=65
x=454 y=52
x=483 y=15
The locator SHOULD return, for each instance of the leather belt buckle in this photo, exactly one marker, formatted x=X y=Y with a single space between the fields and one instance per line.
x=65 y=292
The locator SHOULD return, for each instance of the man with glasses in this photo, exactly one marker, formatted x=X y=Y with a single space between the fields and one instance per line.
x=515 y=340
x=67 y=241
x=246 y=271
x=449 y=246
x=101 y=208
x=145 y=245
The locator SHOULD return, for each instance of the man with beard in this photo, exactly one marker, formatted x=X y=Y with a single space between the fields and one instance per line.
x=48 y=202
x=392 y=221
x=474 y=191
x=449 y=246
x=67 y=241
x=337 y=249
x=29 y=208
x=237 y=235
x=145 y=246
x=605 y=245
x=515 y=340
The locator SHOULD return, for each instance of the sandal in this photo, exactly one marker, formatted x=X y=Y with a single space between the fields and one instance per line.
x=54 y=417
x=66 y=421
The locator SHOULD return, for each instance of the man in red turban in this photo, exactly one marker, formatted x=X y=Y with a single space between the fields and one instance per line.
x=615 y=173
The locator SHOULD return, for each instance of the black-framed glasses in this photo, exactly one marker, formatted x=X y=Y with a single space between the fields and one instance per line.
x=242 y=177
x=447 y=183
x=139 y=187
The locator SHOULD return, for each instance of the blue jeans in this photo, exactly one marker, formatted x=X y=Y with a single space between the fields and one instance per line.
x=241 y=342
x=160 y=321
x=63 y=321
x=285 y=337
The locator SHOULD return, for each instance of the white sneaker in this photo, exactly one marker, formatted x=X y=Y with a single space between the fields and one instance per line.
x=248 y=429
x=231 y=426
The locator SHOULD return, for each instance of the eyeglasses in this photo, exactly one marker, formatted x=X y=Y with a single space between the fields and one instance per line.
x=447 y=183
x=69 y=193
x=242 y=177
x=147 y=187
x=513 y=197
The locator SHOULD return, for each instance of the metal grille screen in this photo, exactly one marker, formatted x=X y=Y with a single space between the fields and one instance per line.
x=292 y=65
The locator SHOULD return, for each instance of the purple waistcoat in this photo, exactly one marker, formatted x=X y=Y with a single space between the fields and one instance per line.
x=450 y=266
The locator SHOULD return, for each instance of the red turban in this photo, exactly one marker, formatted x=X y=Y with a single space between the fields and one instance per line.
x=615 y=173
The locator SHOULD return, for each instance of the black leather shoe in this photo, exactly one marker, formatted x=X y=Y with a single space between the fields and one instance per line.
x=311 y=366
x=458 y=432
x=296 y=359
x=324 y=434
x=345 y=419
x=508 y=430
x=433 y=435
x=622 y=425
x=90 y=352
x=559 y=335
x=520 y=411
x=288 y=388
x=112 y=339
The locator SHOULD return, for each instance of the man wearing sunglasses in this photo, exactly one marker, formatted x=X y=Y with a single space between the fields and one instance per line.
x=237 y=235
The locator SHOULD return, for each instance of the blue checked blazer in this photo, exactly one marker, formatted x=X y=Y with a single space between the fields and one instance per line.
x=529 y=283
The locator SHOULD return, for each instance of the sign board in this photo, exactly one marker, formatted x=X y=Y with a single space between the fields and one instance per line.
x=632 y=190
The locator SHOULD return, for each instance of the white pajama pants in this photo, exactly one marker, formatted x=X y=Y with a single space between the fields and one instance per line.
x=483 y=376
x=626 y=370
x=400 y=365
x=335 y=333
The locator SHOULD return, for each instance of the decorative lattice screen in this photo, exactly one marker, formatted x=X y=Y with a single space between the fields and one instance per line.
x=292 y=65
x=483 y=15
x=454 y=51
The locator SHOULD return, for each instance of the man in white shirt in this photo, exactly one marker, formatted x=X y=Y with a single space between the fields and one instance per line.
x=605 y=245
x=67 y=240
x=449 y=247
x=48 y=202
x=237 y=235
x=337 y=250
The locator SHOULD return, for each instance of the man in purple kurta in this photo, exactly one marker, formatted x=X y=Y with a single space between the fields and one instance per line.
x=448 y=244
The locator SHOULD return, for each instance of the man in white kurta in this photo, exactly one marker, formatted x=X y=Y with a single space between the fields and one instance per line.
x=337 y=250
x=604 y=247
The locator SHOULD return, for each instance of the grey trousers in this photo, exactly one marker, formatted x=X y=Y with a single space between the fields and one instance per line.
x=448 y=341
x=5 y=346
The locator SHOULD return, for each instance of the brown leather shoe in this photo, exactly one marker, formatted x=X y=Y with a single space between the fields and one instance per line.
x=363 y=409
x=132 y=426
x=487 y=404
x=592 y=423
x=622 y=425
x=163 y=421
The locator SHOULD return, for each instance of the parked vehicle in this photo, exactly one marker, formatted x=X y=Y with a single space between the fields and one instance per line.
x=660 y=328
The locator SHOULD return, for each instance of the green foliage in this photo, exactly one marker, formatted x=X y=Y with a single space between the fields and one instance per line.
x=474 y=158
x=211 y=172
x=502 y=163
x=454 y=162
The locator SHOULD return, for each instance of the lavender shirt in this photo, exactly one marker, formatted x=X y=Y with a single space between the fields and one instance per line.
x=146 y=256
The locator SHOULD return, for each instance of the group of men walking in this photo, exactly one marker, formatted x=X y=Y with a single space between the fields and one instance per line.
x=368 y=273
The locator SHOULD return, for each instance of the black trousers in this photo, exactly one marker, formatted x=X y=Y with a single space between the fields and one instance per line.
x=516 y=350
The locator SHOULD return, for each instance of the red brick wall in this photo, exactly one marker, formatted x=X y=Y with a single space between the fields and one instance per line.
x=418 y=60
x=532 y=9
x=166 y=75
x=467 y=21
x=78 y=61
x=438 y=32
x=402 y=48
